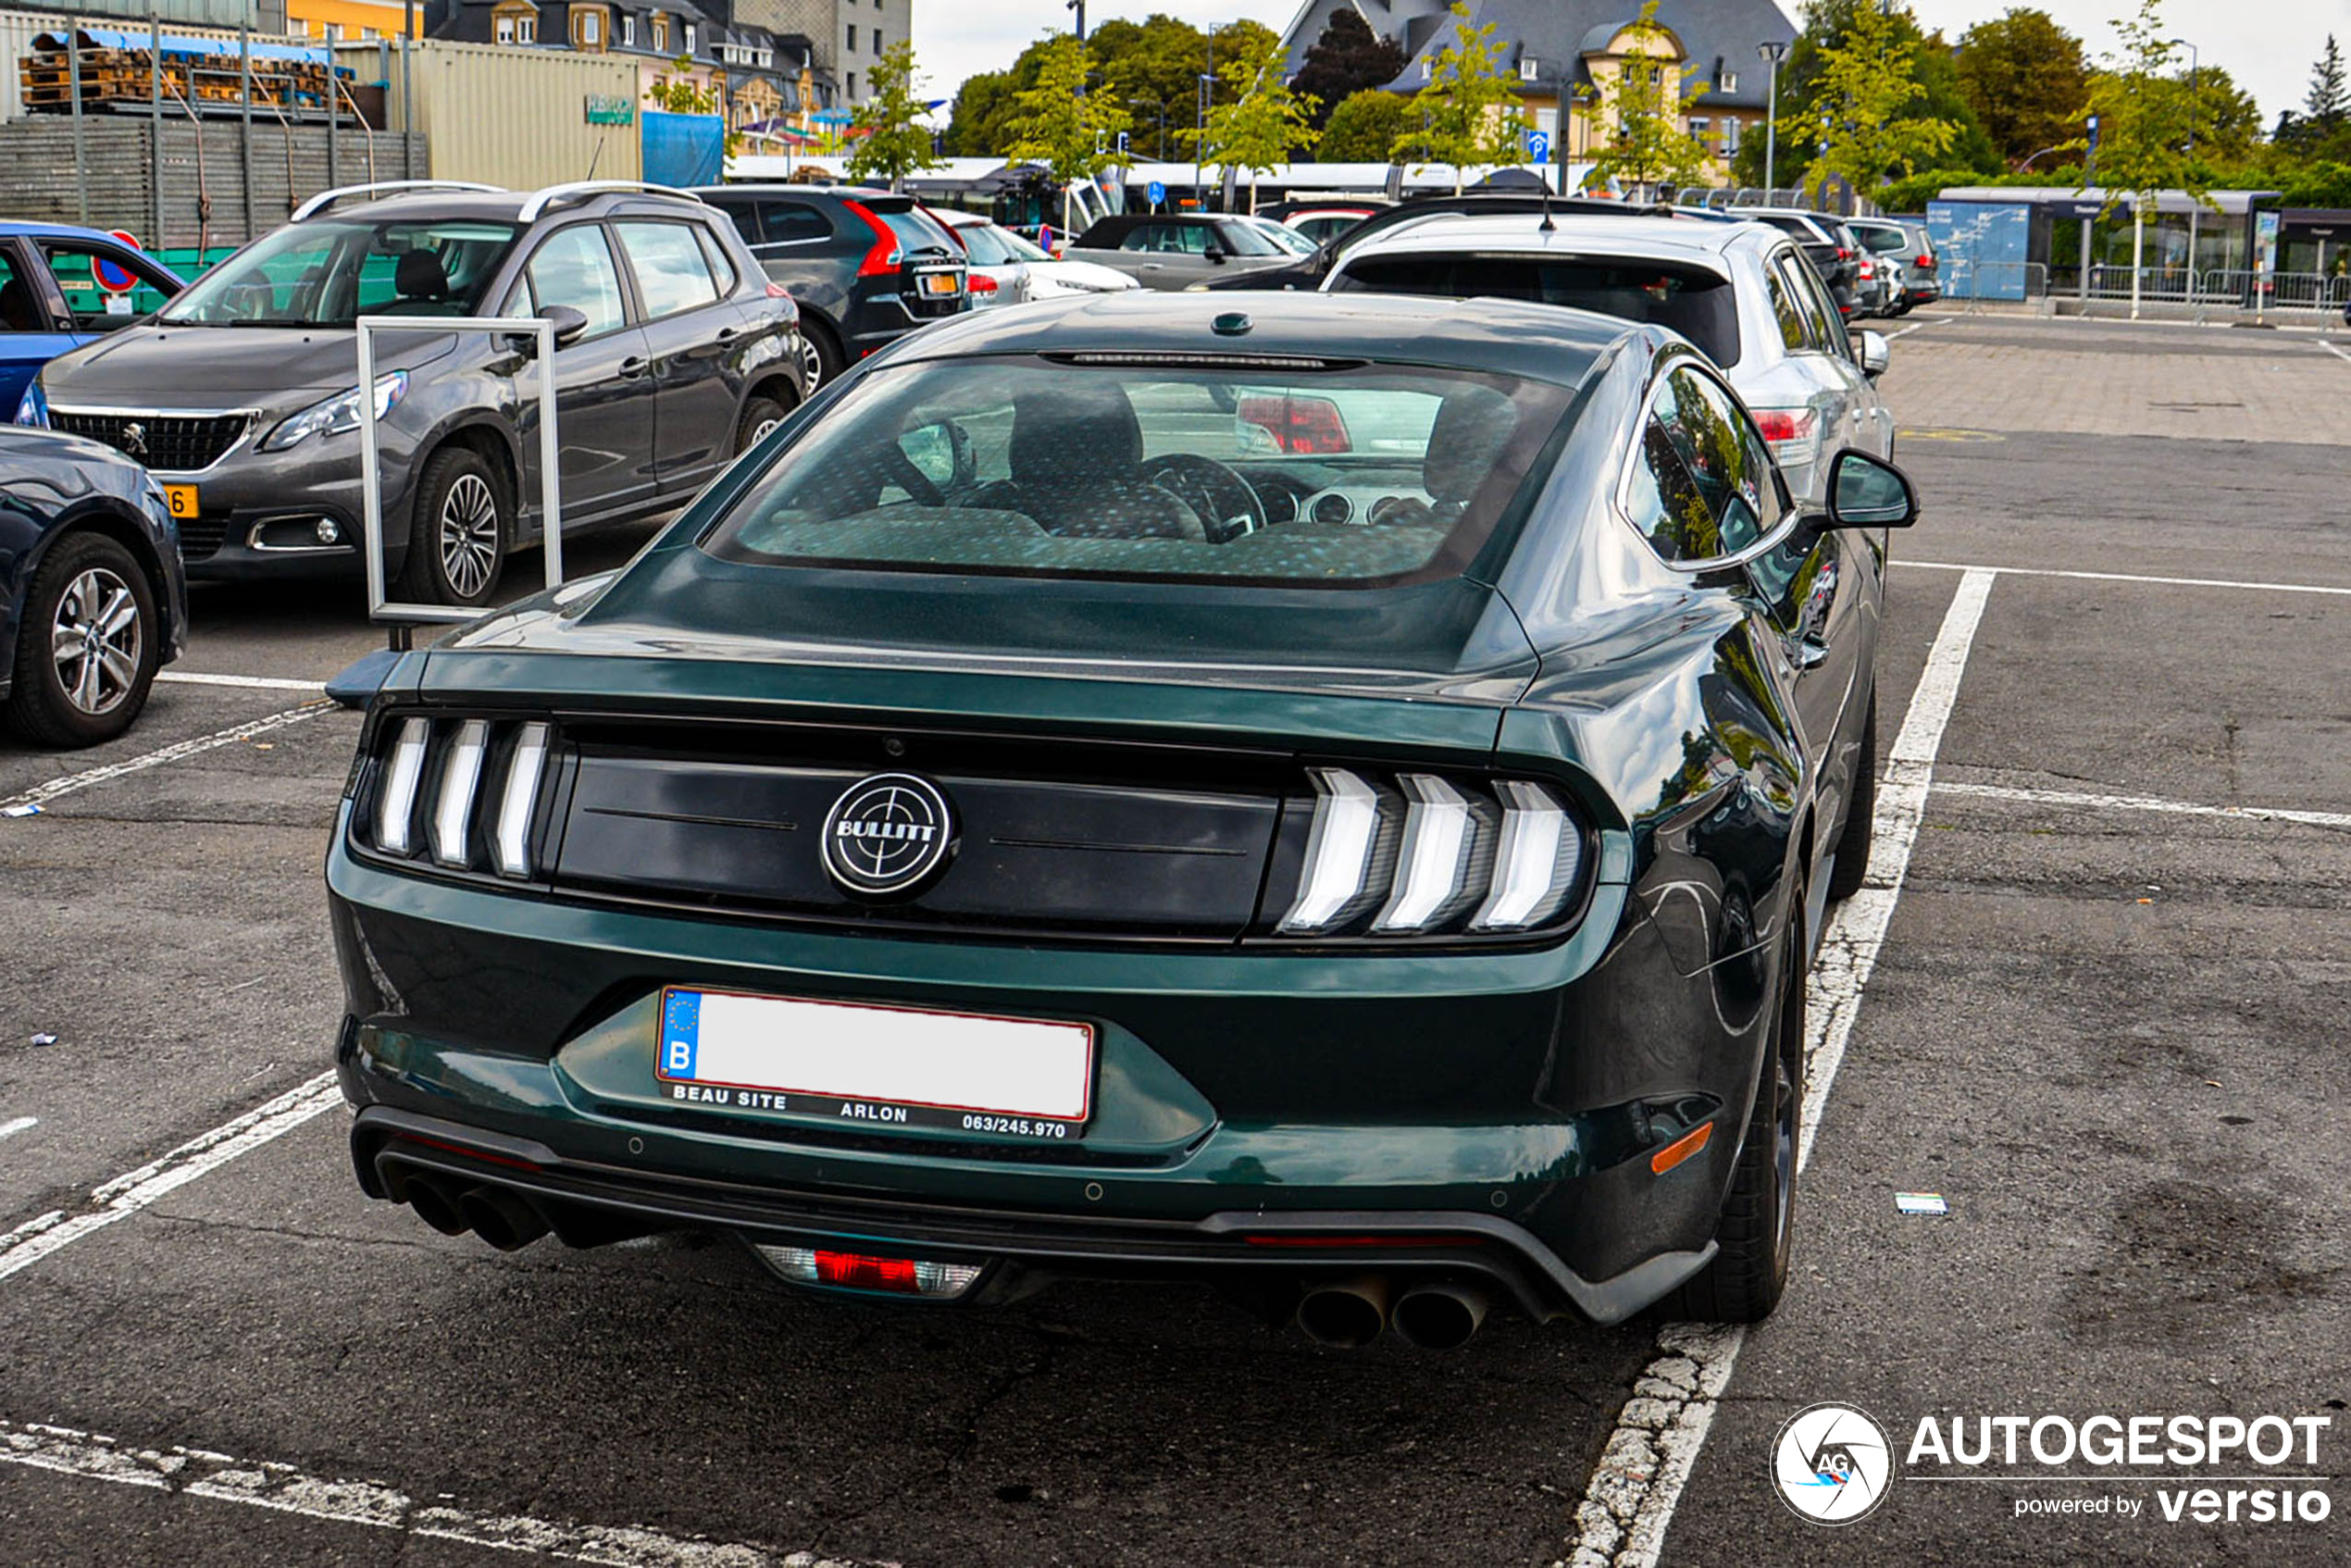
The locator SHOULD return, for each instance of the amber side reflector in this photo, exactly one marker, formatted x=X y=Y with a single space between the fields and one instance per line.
x=1681 y=1149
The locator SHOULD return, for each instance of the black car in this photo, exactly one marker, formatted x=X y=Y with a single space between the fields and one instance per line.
x=1335 y=797
x=864 y=266
x=1834 y=254
x=92 y=599
x=673 y=353
x=1170 y=251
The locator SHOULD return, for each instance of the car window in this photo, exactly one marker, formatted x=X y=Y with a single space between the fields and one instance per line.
x=1701 y=485
x=1698 y=303
x=982 y=242
x=1043 y=468
x=792 y=223
x=1882 y=238
x=21 y=309
x=1167 y=239
x=326 y=273
x=744 y=215
x=671 y=273
x=1832 y=320
x=1241 y=238
x=917 y=233
x=1798 y=278
x=91 y=292
x=714 y=255
x=574 y=266
x=1786 y=315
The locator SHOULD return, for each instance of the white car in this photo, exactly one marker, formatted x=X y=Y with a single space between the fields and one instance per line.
x=1281 y=234
x=1007 y=269
x=1742 y=292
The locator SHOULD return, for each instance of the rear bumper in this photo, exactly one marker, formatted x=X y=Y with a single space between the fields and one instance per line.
x=589 y=1203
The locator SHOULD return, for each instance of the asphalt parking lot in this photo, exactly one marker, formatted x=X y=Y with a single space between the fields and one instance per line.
x=2093 y=997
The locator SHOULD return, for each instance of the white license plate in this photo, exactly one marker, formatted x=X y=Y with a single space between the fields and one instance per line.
x=901 y=1066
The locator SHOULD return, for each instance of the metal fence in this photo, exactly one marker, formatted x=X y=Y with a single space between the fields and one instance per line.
x=2208 y=289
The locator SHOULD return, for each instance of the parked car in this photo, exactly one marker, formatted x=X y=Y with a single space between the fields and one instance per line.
x=1282 y=235
x=92 y=600
x=674 y=352
x=1176 y=250
x=1006 y=268
x=1905 y=244
x=1835 y=255
x=1320 y=221
x=1743 y=292
x=865 y=267
x=1365 y=847
x=61 y=288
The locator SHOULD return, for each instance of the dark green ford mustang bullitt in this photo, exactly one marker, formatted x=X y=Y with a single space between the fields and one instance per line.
x=1331 y=797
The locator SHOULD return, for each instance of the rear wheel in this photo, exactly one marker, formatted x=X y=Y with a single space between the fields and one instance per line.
x=85 y=653
x=464 y=529
x=820 y=355
x=1852 y=861
x=1749 y=1271
x=760 y=415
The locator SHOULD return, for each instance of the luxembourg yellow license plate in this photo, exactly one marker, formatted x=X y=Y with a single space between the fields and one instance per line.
x=939 y=283
x=181 y=499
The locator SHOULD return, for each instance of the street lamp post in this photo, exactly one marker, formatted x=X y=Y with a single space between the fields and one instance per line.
x=1079 y=6
x=2195 y=107
x=1773 y=53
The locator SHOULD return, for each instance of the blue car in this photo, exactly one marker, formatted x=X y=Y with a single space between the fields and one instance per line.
x=61 y=286
x=93 y=596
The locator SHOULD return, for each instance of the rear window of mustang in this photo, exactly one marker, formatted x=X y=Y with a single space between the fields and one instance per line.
x=1191 y=466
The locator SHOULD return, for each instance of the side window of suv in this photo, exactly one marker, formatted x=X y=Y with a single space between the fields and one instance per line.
x=574 y=266
x=1798 y=278
x=791 y=223
x=1785 y=314
x=671 y=272
x=1702 y=485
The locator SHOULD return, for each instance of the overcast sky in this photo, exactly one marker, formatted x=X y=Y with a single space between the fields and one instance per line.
x=2267 y=45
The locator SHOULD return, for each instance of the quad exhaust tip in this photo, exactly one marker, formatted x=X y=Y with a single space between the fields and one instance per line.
x=1347 y=1315
x=506 y=1220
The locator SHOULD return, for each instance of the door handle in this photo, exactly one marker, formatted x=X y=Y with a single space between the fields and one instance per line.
x=633 y=366
x=724 y=335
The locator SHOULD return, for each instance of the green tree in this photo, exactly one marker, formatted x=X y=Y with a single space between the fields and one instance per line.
x=2147 y=122
x=1827 y=24
x=2329 y=99
x=1468 y=113
x=892 y=141
x=1347 y=59
x=1640 y=112
x=983 y=106
x=1363 y=128
x=2026 y=79
x=1262 y=124
x=1057 y=123
x=1868 y=80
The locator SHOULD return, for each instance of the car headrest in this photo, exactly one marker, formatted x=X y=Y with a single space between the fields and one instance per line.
x=1067 y=433
x=420 y=276
x=1472 y=426
x=16 y=310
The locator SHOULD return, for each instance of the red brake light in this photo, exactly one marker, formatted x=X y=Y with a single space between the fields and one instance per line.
x=1779 y=425
x=858 y=1272
x=1843 y=255
x=1301 y=425
x=1926 y=264
x=981 y=284
x=778 y=291
x=883 y=257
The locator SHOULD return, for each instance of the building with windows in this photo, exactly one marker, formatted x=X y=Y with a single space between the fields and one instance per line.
x=1570 y=52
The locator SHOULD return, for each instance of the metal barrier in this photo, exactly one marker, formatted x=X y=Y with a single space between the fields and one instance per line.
x=2218 y=290
x=380 y=607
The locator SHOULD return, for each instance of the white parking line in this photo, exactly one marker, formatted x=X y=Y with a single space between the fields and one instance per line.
x=251 y=682
x=1630 y=1500
x=284 y=1489
x=23 y=1124
x=2334 y=351
x=2145 y=803
x=134 y=1190
x=2130 y=576
x=39 y=794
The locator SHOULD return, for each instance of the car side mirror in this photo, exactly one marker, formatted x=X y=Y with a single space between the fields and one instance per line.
x=1876 y=353
x=568 y=324
x=1868 y=493
x=1215 y=252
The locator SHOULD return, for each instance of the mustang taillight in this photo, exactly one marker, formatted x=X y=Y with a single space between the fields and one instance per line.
x=471 y=785
x=1434 y=855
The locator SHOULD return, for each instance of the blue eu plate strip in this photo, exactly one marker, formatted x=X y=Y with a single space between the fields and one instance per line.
x=680 y=1033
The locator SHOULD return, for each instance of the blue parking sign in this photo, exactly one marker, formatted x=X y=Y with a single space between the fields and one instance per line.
x=1156 y=190
x=1538 y=147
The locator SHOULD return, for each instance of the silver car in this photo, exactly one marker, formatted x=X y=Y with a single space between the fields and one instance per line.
x=1008 y=269
x=1743 y=292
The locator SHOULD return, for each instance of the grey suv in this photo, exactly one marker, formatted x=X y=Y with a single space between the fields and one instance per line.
x=674 y=352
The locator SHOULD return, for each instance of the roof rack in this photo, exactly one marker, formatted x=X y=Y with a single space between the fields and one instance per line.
x=578 y=189
x=326 y=199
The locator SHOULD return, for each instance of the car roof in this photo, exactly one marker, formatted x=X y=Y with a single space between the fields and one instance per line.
x=780 y=188
x=501 y=206
x=54 y=230
x=1663 y=238
x=1538 y=341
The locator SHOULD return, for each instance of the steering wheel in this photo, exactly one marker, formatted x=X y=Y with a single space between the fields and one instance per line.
x=1227 y=504
x=919 y=487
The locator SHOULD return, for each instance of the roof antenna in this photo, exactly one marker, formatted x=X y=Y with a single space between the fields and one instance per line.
x=1546 y=226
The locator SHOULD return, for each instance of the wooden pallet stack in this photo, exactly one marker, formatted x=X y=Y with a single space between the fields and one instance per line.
x=109 y=76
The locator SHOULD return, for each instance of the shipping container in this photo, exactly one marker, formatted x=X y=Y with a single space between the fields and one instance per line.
x=516 y=118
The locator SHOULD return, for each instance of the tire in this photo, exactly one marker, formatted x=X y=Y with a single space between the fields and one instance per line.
x=86 y=650
x=820 y=355
x=760 y=415
x=462 y=533
x=1852 y=861
x=1755 y=1234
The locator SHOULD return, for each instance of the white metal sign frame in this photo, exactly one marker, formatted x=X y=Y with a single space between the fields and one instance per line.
x=380 y=607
